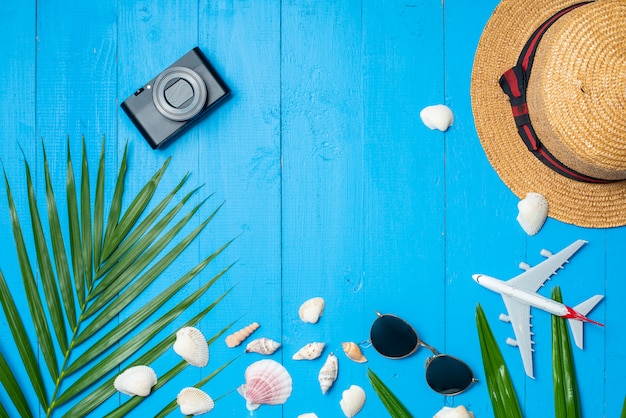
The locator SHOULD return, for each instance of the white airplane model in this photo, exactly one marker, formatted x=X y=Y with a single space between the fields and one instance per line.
x=520 y=293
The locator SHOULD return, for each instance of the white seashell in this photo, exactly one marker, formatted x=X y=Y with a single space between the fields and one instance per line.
x=328 y=373
x=263 y=345
x=437 y=117
x=310 y=351
x=311 y=310
x=458 y=412
x=267 y=383
x=308 y=415
x=353 y=351
x=193 y=401
x=236 y=338
x=533 y=212
x=192 y=346
x=136 y=380
x=352 y=400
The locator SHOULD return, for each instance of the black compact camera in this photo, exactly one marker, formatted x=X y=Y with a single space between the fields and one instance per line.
x=177 y=98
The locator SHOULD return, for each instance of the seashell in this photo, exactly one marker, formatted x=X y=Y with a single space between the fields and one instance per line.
x=311 y=310
x=192 y=346
x=328 y=373
x=458 y=412
x=437 y=117
x=533 y=212
x=352 y=400
x=263 y=345
x=267 y=383
x=236 y=338
x=136 y=381
x=308 y=415
x=310 y=351
x=353 y=351
x=193 y=401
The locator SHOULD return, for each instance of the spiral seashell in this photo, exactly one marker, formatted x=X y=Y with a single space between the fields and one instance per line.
x=236 y=338
x=311 y=351
x=311 y=310
x=328 y=373
x=437 y=117
x=265 y=346
x=353 y=351
x=192 y=346
x=136 y=381
x=533 y=212
x=193 y=401
x=352 y=400
x=267 y=383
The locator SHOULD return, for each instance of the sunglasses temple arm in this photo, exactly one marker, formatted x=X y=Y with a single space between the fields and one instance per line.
x=431 y=348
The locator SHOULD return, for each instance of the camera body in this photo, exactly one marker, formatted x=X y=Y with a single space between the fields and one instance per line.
x=177 y=98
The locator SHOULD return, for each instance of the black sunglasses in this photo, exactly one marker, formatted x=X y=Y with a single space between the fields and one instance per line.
x=394 y=338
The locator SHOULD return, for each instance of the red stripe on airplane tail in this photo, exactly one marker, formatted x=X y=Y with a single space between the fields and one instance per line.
x=572 y=314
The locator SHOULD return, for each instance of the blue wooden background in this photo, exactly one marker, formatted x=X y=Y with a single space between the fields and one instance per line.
x=331 y=182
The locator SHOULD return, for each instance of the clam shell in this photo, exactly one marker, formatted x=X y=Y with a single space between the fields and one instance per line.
x=308 y=415
x=136 y=381
x=353 y=351
x=352 y=400
x=193 y=401
x=192 y=346
x=236 y=338
x=310 y=351
x=458 y=412
x=265 y=346
x=328 y=373
x=267 y=383
x=533 y=212
x=437 y=117
x=311 y=310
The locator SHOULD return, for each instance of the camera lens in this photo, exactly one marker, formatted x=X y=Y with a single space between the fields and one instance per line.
x=179 y=93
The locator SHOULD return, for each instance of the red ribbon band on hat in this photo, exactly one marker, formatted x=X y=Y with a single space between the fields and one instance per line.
x=514 y=83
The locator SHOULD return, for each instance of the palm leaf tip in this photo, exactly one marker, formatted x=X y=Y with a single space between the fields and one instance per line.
x=391 y=402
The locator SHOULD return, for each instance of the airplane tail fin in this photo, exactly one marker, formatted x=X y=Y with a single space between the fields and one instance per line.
x=578 y=316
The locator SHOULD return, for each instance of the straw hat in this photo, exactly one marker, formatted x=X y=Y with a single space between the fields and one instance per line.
x=575 y=99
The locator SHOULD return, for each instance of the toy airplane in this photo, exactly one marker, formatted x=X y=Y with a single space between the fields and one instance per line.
x=520 y=293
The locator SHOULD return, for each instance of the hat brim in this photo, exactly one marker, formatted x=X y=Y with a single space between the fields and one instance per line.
x=570 y=201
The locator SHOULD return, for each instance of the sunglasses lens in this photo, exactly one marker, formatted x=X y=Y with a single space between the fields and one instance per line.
x=448 y=375
x=392 y=337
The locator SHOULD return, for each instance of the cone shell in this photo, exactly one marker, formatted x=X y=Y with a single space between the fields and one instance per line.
x=311 y=310
x=192 y=346
x=193 y=401
x=328 y=372
x=267 y=383
x=236 y=338
x=136 y=381
x=438 y=117
x=353 y=351
x=311 y=351
x=352 y=400
x=265 y=346
x=533 y=212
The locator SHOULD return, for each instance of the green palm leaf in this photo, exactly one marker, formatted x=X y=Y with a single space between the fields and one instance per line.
x=393 y=405
x=109 y=265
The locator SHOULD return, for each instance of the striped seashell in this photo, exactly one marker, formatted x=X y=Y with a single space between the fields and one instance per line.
x=352 y=400
x=265 y=346
x=136 y=381
x=194 y=401
x=311 y=351
x=353 y=352
x=192 y=346
x=236 y=338
x=267 y=383
x=328 y=373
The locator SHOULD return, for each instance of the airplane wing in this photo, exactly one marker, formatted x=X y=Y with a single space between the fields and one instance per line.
x=519 y=314
x=532 y=279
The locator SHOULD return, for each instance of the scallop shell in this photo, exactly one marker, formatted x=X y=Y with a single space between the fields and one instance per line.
x=311 y=310
x=437 y=117
x=193 y=401
x=192 y=346
x=236 y=338
x=267 y=383
x=328 y=373
x=458 y=412
x=353 y=351
x=137 y=380
x=265 y=346
x=533 y=212
x=310 y=351
x=352 y=400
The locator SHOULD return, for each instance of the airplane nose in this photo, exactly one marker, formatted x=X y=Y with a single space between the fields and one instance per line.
x=476 y=277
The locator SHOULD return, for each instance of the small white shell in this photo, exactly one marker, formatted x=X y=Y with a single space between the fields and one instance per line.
x=308 y=415
x=328 y=373
x=352 y=400
x=311 y=351
x=192 y=346
x=458 y=412
x=236 y=338
x=311 y=310
x=265 y=346
x=437 y=117
x=193 y=401
x=353 y=351
x=267 y=383
x=533 y=212
x=136 y=380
